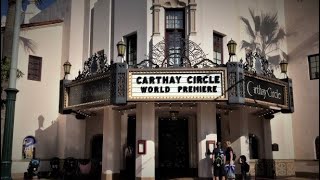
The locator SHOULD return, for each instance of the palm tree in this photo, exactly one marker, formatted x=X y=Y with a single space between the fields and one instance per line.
x=265 y=37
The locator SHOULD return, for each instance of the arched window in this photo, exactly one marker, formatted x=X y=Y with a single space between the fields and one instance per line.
x=28 y=147
x=254 y=146
x=317 y=147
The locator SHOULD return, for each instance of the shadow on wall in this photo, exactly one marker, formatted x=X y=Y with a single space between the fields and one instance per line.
x=260 y=166
x=265 y=34
x=47 y=139
x=206 y=165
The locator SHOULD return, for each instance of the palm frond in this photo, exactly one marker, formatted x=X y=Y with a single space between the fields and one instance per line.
x=274 y=60
x=269 y=26
x=280 y=36
x=256 y=20
x=248 y=27
x=246 y=44
x=28 y=44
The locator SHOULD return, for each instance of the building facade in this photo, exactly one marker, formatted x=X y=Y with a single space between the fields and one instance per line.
x=156 y=133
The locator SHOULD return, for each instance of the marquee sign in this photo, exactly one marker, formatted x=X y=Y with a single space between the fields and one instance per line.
x=89 y=92
x=266 y=91
x=176 y=84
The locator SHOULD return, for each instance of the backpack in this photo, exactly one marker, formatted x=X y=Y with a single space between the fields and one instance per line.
x=218 y=162
x=246 y=167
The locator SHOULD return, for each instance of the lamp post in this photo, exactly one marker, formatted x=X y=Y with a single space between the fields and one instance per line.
x=66 y=68
x=121 y=47
x=6 y=161
x=284 y=67
x=232 y=45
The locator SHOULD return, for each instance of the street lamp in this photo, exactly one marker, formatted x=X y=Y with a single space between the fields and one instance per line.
x=121 y=47
x=232 y=45
x=6 y=156
x=284 y=67
x=66 y=68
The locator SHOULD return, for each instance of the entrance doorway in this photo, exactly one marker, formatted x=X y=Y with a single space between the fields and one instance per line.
x=130 y=150
x=173 y=148
x=96 y=154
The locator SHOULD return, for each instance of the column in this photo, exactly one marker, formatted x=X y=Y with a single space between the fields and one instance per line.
x=111 y=144
x=239 y=136
x=192 y=17
x=145 y=130
x=267 y=139
x=156 y=10
x=207 y=130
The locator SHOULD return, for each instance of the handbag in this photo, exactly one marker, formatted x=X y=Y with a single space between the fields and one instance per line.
x=230 y=171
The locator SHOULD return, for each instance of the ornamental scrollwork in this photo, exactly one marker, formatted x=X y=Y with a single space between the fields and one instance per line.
x=255 y=59
x=96 y=64
x=186 y=52
x=146 y=64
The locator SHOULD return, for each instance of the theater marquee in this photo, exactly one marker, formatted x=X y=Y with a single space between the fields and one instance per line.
x=176 y=84
x=262 y=90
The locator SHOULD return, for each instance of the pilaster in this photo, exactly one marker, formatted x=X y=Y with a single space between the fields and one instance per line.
x=207 y=131
x=111 y=144
x=145 y=130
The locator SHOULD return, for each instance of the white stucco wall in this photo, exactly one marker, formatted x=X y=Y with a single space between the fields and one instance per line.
x=302 y=22
x=38 y=100
x=282 y=135
x=102 y=27
x=132 y=19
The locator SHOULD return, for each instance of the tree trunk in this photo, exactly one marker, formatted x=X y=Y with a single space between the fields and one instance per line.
x=8 y=31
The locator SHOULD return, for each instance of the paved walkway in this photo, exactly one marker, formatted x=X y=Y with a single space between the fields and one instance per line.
x=289 y=178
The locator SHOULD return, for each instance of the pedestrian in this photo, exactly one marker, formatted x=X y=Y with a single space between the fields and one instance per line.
x=244 y=167
x=219 y=159
x=229 y=165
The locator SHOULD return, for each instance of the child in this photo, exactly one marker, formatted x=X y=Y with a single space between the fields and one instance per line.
x=244 y=167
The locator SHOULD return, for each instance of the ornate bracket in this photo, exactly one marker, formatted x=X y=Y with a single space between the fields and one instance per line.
x=96 y=64
x=257 y=64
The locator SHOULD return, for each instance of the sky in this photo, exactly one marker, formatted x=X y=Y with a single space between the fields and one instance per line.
x=43 y=5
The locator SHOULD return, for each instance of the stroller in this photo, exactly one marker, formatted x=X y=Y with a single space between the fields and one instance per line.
x=70 y=167
x=32 y=169
x=55 y=168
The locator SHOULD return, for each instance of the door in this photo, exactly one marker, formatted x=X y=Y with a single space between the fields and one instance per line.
x=96 y=155
x=173 y=148
x=130 y=154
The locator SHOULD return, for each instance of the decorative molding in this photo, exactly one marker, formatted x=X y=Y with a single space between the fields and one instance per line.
x=157 y=4
x=96 y=64
x=173 y=3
